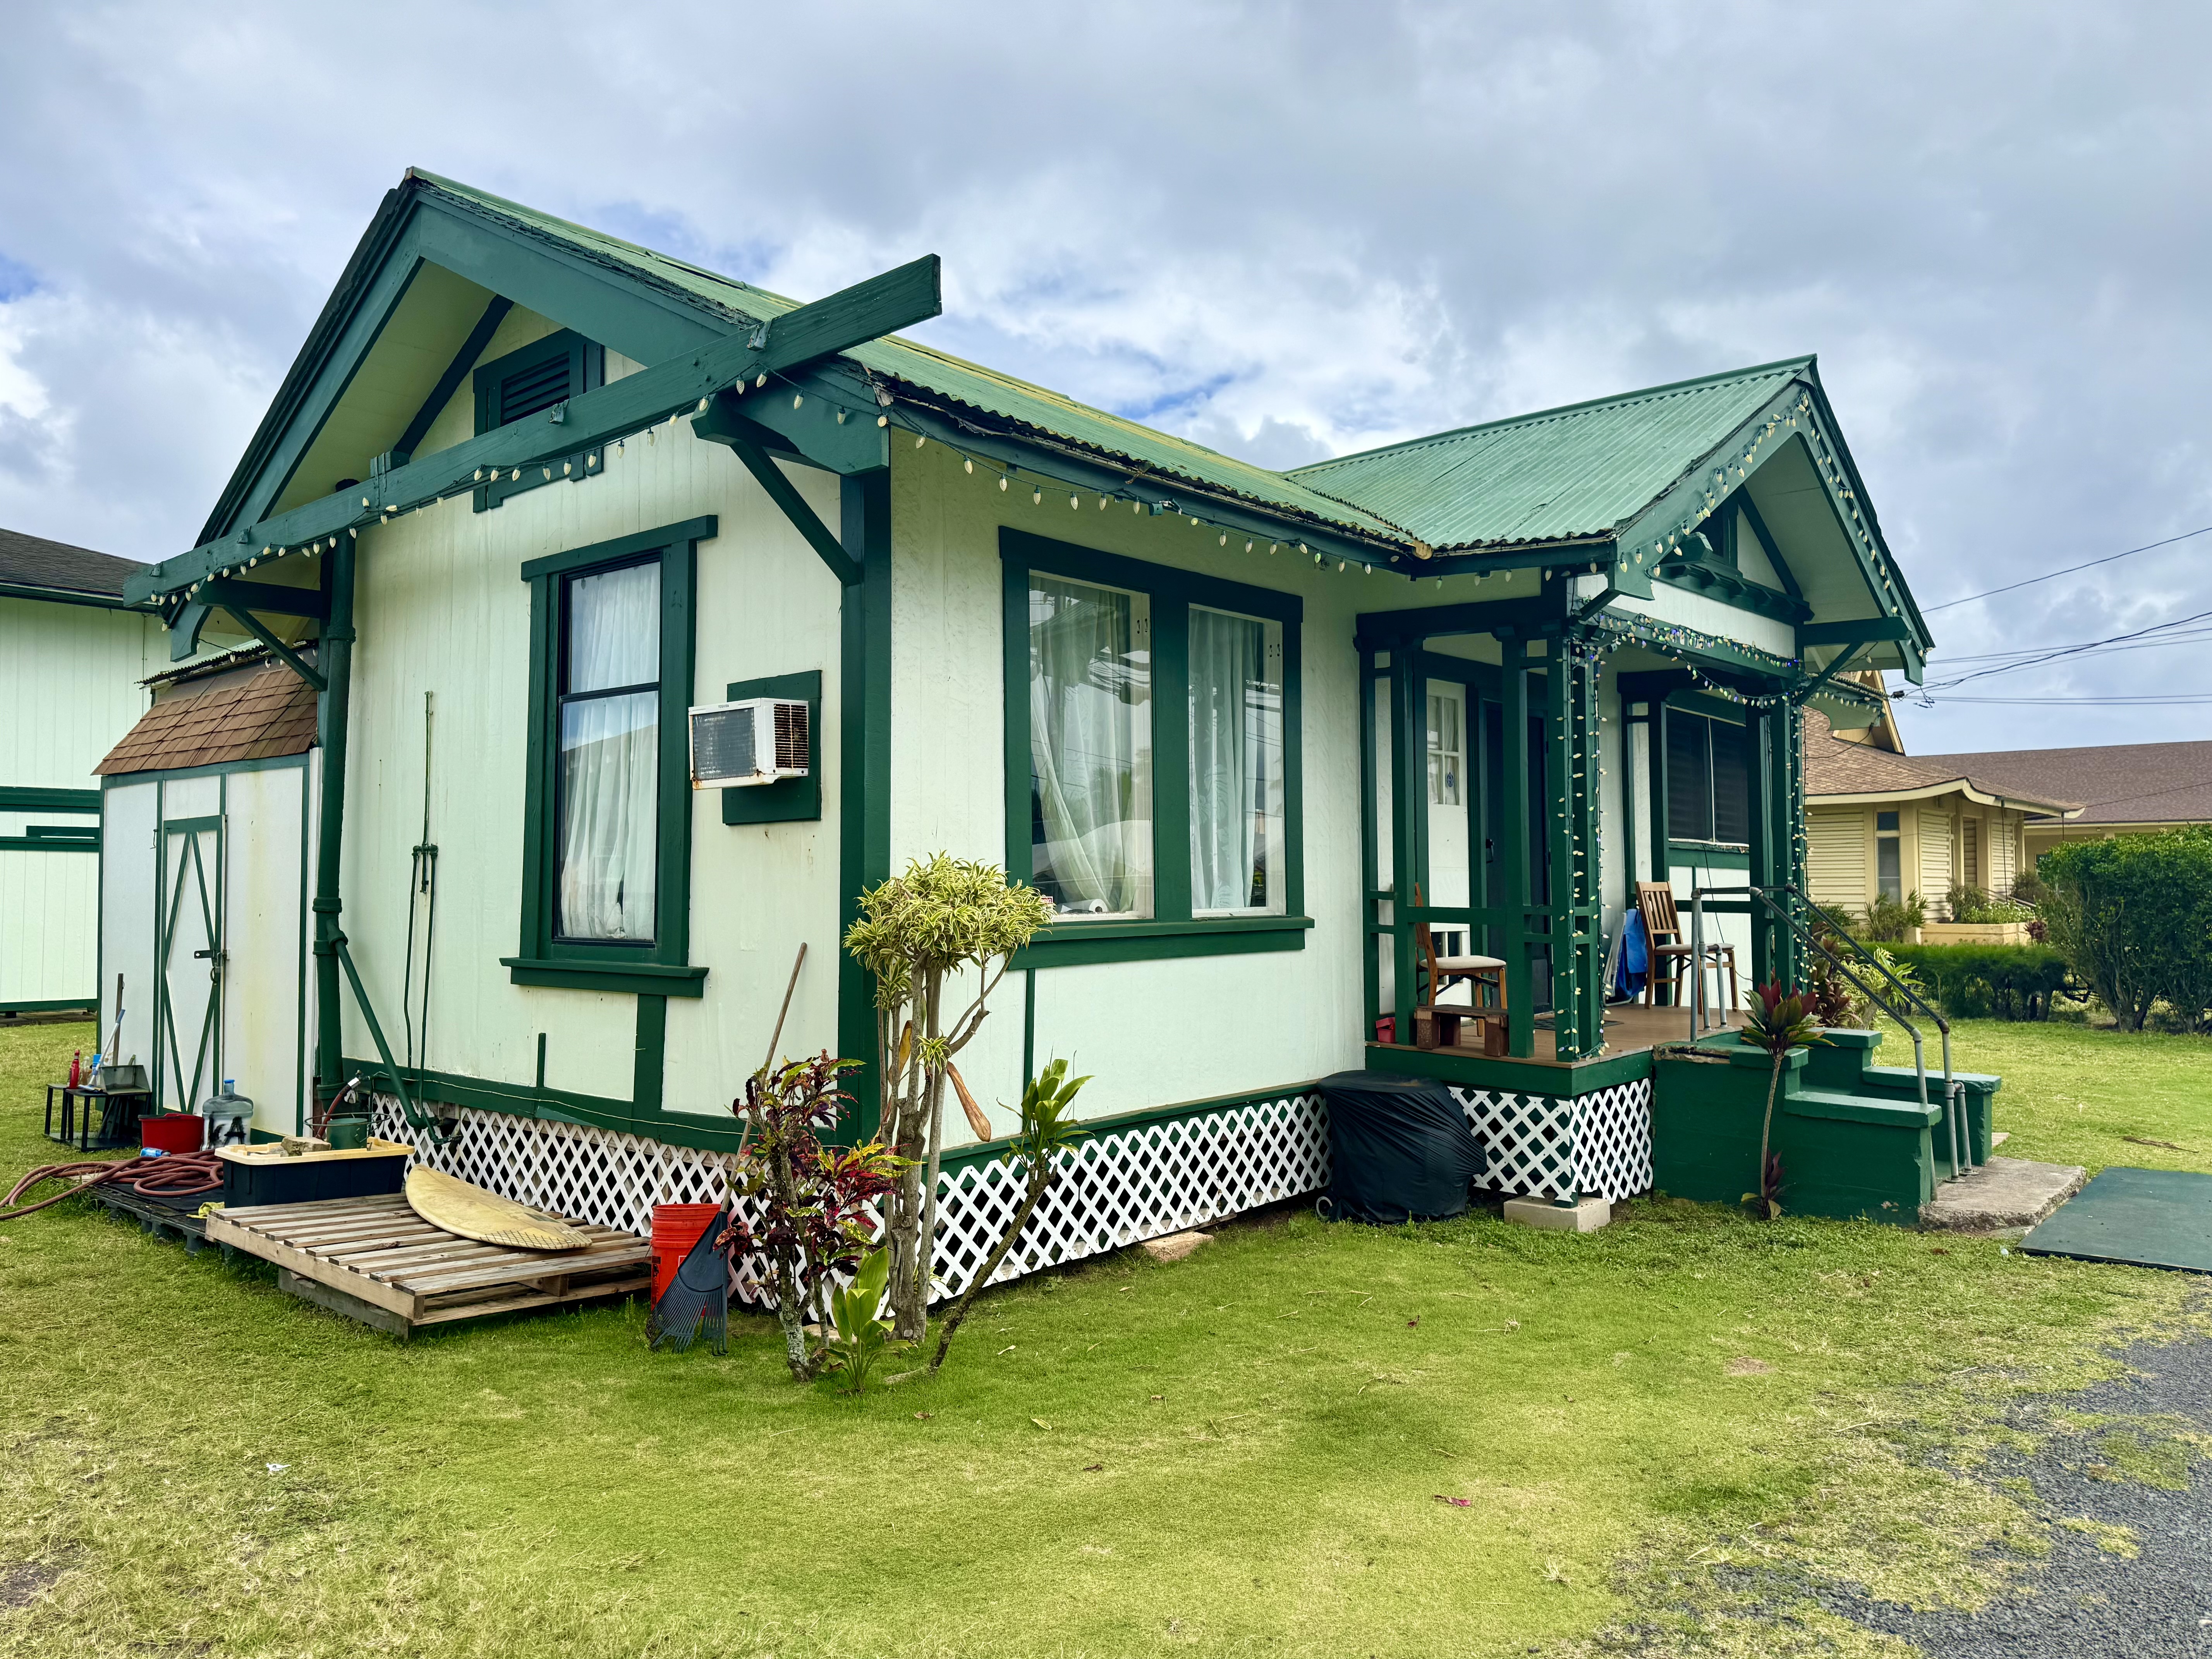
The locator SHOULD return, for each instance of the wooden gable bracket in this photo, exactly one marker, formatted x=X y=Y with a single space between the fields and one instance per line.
x=865 y=312
x=720 y=423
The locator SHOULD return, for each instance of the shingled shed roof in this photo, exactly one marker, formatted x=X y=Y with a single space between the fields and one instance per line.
x=253 y=715
x=1835 y=770
x=35 y=562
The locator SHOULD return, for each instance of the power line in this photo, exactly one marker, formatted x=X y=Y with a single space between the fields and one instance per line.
x=2070 y=650
x=2186 y=697
x=2033 y=650
x=1930 y=609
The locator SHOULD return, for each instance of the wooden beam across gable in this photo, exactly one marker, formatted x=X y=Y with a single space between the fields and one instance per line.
x=882 y=305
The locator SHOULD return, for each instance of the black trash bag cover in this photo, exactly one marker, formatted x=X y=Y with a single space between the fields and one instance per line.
x=1400 y=1149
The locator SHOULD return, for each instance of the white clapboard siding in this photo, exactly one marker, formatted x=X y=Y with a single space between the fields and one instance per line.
x=1836 y=856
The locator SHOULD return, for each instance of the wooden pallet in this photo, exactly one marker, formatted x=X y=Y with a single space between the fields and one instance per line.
x=374 y=1259
x=161 y=1220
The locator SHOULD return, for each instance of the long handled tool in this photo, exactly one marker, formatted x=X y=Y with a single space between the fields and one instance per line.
x=776 y=1038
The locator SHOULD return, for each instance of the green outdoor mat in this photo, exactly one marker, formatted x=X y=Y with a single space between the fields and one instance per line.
x=2152 y=1218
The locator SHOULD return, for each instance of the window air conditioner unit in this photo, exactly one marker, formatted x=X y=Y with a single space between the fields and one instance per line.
x=758 y=740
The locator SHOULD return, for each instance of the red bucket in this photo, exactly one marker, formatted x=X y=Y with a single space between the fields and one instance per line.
x=173 y=1132
x=675 y=1228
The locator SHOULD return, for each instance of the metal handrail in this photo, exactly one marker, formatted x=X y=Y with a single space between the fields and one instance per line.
x=1962 y=1140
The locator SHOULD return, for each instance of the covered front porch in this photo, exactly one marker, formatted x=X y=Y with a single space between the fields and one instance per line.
x=1516 y=787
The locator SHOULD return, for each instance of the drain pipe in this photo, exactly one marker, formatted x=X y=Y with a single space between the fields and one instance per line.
x=335 y=660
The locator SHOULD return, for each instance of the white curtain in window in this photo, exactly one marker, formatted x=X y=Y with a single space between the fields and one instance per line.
x=1236 y=762
x=1090 y=748
x=610 y=755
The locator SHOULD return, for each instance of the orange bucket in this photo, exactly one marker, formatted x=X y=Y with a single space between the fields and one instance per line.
x=675 y=1228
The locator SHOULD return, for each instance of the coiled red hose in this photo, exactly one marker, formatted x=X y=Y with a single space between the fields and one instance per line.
x=179 y=1175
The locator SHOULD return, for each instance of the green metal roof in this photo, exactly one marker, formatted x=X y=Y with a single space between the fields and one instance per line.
x=1586 y=470
x=1040 y=411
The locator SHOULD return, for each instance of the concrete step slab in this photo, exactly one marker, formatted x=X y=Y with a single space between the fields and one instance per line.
x=2004 y=1193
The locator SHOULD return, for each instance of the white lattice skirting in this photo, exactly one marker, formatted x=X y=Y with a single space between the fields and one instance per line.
x=1115 y=1189
x=1597 y=1144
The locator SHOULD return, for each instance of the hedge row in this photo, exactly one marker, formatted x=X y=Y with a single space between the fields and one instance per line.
x=1972 y=981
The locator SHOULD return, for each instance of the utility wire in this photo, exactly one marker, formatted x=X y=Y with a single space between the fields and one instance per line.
x=2066 y=651
x=2180 y=699
x=1929 y=610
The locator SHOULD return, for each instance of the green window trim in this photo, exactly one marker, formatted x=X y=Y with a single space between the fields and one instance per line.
x=661 y=968
x=585 y=362
x=1172 y=930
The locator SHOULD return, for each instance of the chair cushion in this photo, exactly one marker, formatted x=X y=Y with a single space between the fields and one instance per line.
x=1467 y=964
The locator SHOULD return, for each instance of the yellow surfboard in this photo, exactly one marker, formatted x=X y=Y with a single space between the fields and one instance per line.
x=472 y=1213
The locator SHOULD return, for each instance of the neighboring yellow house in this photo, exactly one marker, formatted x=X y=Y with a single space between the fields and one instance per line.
x=1880 y=822
x=2124 y=788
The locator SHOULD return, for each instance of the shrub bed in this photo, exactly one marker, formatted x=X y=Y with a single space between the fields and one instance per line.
x=1976 y=982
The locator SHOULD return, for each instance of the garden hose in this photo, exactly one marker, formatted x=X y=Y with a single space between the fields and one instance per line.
x=177 y=1174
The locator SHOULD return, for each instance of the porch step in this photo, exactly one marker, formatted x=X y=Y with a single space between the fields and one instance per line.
x=1860 y=1109
x=2004 y=1193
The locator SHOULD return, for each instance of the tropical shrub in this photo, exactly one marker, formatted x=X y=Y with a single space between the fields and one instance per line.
x=1971 y=904
x=936 y=938
x=2133 y=916
x=1782 y=1021
x=1973 y=981
x=1891 y=920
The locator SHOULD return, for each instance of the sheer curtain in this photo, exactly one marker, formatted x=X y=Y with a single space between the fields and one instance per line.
x=1236 y=762
x=610 y=785
x=1090 y=740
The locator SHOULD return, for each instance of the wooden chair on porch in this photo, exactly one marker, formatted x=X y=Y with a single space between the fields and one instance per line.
x=1670 y=952
x=1436 y=1023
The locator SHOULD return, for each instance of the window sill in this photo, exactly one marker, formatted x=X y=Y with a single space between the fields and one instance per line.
x=643 y=978
x=1078 y=944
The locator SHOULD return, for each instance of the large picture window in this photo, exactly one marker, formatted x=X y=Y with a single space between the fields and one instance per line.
x=608 y=806
x=1151 y=755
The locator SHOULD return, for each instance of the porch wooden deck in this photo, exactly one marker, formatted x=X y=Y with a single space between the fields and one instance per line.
x=1632 y=1030
x=374 y=1259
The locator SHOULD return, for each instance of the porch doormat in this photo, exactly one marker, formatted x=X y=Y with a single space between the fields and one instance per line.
x=2150 y=1218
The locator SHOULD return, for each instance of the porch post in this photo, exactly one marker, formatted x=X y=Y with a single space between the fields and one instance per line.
x=1570 y=721
x=1514 y=896
x=1371 y=864
x=334 y=658
x=1790 y=834
x=864 y=764
x=1409 y=808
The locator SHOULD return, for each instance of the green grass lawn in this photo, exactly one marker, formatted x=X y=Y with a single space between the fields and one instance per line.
x=1242 y=1454
x=2073 y=1094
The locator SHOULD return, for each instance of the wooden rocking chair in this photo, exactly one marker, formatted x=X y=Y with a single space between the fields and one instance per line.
x=1662 y=929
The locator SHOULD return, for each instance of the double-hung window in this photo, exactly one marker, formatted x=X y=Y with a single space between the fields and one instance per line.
x=1707 y=779
x=1151 y=758
x=606 y=835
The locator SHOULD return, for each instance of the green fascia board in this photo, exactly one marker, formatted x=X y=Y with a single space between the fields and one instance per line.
x=20 y=797
x=592 y=420
x=1563 y=1078
x=1586 y=469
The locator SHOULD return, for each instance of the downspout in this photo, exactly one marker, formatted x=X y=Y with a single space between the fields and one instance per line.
x=334 y=660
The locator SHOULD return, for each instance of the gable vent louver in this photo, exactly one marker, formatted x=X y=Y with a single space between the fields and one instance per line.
x=528 y=391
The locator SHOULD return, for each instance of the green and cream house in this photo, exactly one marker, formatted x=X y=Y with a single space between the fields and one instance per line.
x=531 y=497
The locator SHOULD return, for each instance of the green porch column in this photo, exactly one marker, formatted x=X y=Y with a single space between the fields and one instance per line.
x=1370 y=863
x=1789 y=832
x=1759 y=783
x=1778 y=845
x=1577 y=970
x=335 y=660
x=864 y=763
x=1516 y=885
x=1409 y=819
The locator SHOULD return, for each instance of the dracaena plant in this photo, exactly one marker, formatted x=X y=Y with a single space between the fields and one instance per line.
x=1783 y=1021
x=937 y=940
x=857 y=1335
x=812 y=1209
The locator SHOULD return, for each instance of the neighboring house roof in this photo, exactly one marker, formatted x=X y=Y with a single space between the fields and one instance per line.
x=253 y=715
x=33 y=561
x=2115 y=783
x=1837 y=771
x=1584 y=469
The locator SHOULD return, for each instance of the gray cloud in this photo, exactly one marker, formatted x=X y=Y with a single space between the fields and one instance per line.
x=1285 y=232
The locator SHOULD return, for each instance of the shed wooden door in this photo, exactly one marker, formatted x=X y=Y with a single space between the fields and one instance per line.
x=188 y=960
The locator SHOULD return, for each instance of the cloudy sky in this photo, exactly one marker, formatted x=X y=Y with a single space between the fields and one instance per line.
x=1288 y=232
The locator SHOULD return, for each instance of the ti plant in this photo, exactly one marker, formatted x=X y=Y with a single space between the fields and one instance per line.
x=1780 y=1023
x=1048 y=1127
x=857 y=1337
x=936 y=938
x=803 y=1207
